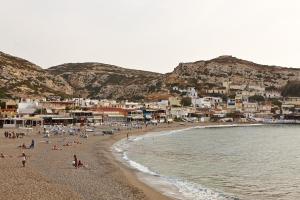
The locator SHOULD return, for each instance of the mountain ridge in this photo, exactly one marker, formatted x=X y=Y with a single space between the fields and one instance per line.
x=21 y=78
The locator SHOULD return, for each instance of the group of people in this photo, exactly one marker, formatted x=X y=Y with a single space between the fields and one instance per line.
x=67 y=144
x=23 y=157
x=12 y=135
x=31 y=146
x=4 y=156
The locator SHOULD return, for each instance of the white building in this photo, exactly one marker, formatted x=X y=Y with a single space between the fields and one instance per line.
x=249 y=107
x=192 y=93
x=27 y=108
x=179 y=112
x=201 y=103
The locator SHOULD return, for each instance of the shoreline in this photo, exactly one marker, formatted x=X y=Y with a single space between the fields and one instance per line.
x=131 y=173
x=142 y=176
x=50 y=175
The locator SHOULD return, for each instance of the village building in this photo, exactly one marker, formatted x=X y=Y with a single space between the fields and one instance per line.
x=292 y=101
x=273 y=94
x=191 y=92
x=249 y=109
x=85 y=103
x=131 y=105
x=179 y=112
x=135 y=115
x=174 y=102
x=231 y=105
x=81 y=116
x=217 y=90
x=27 y=108
x=57 y=106
x=201 y=103
x=111 y=115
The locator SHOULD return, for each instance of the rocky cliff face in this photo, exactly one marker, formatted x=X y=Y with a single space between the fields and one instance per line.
x=228 y=68
x=106 y=81
x=20 y=78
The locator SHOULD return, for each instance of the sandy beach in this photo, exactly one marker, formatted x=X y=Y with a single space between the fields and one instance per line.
x=49 y=174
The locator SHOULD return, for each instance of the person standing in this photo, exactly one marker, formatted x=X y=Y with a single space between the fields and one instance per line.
x=75 y=161
x=32 y=144
x=23 y=158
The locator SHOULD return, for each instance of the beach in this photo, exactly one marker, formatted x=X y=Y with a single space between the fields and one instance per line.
x=49 y=174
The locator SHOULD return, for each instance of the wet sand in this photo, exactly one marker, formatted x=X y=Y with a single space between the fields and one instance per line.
x=49 y=174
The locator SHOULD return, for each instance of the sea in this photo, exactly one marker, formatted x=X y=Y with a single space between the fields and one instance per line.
x=259 y=162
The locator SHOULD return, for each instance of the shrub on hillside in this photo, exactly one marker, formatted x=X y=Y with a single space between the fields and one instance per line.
x=291 y=89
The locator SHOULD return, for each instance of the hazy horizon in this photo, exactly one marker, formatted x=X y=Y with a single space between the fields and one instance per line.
x=150 y=35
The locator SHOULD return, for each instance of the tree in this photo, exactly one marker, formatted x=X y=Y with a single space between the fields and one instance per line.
x=40 y=111
x=186 y=101
x=2 y=105
x=291 y=89
x=276 y=102
x=256 y=98
x=3 y=93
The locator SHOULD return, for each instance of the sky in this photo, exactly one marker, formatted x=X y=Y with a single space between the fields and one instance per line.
x=152 y=35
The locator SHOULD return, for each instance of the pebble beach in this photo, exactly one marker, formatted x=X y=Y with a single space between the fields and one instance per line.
x=49 y=173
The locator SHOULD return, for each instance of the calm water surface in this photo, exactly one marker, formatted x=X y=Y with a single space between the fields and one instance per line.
x=257 y=162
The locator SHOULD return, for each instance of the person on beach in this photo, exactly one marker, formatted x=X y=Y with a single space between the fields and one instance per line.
x=32 y=144
x=55 y=147
x=75 y=162
x=67 y=144
x=2 y=155
x=23 y=158
x=23 y=146
x=77 y=142
x=80 y=164
x=6 y=134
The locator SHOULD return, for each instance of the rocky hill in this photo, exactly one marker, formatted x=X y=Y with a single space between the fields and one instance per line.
x=107 y=81
x=213 y=73
x=20 y=78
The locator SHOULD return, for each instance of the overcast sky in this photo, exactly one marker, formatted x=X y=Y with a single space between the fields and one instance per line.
x=150 y=34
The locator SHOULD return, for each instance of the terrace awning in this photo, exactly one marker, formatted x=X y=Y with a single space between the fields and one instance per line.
x=116 y=116
x=63 y=118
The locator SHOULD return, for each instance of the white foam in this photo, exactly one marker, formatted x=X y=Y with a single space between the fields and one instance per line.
x=184 y=189
x=188 y=190
x=196 y=191
x=138 y=166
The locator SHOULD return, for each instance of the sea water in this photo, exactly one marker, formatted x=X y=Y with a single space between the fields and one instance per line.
x=232 y=162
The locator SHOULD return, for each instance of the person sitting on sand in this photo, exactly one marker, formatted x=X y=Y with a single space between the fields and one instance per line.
x=23 y=146
x=3 y=156
x=68 y=144
x=80 y=164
